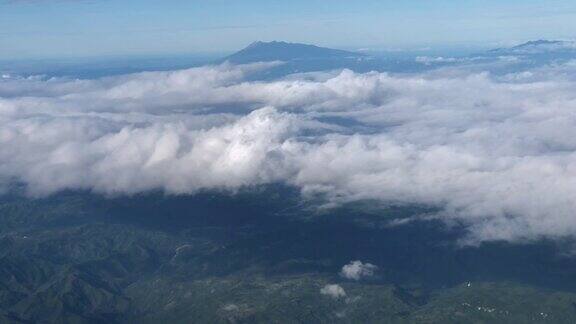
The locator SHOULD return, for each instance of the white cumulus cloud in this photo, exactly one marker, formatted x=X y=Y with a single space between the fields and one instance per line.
x=334 y=291
x=356 y=270
x=495 y=154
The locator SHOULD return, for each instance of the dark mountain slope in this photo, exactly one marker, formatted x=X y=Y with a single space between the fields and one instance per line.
x=260 y=256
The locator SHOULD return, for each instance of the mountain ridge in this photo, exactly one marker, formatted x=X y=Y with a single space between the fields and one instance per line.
x=284 y=51
x=541 y=46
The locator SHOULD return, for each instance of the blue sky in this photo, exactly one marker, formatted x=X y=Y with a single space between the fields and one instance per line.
x=58 y=28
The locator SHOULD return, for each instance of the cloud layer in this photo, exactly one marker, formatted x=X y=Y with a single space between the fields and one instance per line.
x=496 y=154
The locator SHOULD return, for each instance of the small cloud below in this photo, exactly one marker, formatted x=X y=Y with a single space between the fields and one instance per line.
x=231 y=307
x=357 y=270
x=334 y=291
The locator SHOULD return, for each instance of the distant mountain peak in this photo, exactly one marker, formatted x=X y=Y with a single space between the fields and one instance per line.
x=540 y=42
x=283 y=51
x=541 y=46
x=255 y=44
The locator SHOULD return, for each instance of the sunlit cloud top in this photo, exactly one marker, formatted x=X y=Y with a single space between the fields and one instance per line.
x=494 y=153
